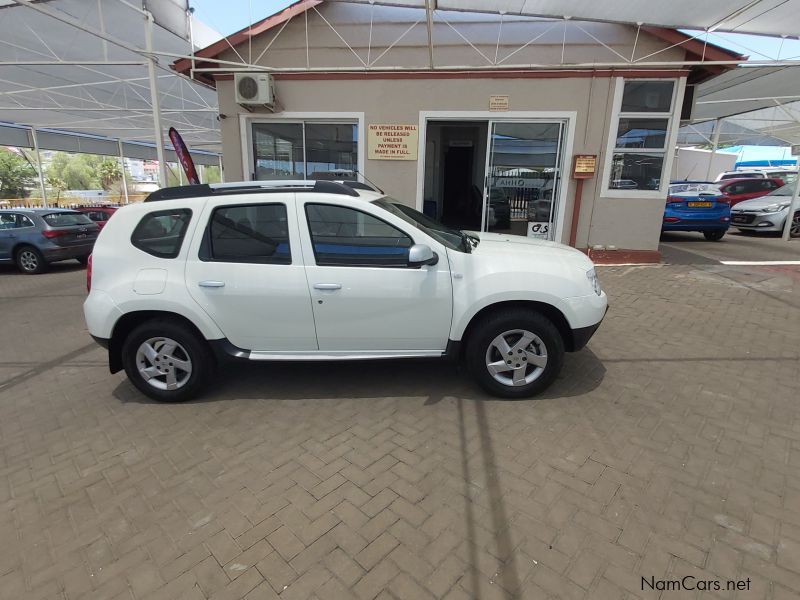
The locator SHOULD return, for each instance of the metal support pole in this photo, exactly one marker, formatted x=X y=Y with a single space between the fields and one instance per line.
x=221 y=172
x=714 y=146
x=39 y=166
x=122 y=168
x=793 y=205
x=155 y=103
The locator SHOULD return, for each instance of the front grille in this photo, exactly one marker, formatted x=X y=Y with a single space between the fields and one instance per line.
x=744 y=218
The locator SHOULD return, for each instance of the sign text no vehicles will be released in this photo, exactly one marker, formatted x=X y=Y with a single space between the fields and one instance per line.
x=392 y=141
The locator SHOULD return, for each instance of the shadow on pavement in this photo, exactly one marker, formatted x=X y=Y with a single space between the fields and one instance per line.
x=429 y=379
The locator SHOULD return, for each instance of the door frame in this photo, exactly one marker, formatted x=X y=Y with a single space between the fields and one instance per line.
x=569 y=118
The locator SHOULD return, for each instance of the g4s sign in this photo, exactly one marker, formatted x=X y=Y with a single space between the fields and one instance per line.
x=539 y=230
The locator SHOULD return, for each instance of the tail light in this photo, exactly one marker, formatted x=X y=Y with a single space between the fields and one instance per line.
x=89 y=274
x=53 y=233
x=671 y=219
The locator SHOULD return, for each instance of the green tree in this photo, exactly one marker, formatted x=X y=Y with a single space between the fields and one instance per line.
x=16 y=174
x=109 y=172
x=57 y=185
x=77 y=171
x=211 y=175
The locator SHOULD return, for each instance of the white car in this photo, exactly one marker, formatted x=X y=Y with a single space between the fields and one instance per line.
x=304 y=270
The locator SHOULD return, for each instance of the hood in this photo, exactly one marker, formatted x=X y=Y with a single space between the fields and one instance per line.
x=507 y=244
x=759 y=203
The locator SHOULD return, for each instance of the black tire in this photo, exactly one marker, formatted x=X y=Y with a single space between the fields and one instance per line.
x=714 y=235
x=191 y=344
x=794 y=228
x=83 y=260
x=30 y=261
x=484 y=333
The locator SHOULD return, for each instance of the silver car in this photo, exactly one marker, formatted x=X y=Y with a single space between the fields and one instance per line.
x=767 y=213
x=35 y=237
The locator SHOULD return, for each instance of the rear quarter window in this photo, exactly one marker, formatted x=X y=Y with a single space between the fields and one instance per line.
x=70 y=219
x=161 y=233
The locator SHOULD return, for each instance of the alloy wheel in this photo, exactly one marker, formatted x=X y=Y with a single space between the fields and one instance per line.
x=516 y=357
x=794 y=228
x=28 y=260
x=163 y=363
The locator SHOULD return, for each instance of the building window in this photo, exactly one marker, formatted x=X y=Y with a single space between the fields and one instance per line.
x=305 y=150
x=642 y=131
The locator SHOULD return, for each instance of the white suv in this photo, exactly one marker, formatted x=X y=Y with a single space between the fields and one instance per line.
x=296 y=270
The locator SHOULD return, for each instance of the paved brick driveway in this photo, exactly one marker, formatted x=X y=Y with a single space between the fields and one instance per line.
x=670 y=447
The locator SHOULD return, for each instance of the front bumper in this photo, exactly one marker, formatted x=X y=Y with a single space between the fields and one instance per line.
x=582 y=335
x=759 y=221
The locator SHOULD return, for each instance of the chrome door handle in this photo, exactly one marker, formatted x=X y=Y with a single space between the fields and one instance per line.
x=327 y=286
x=211 y=284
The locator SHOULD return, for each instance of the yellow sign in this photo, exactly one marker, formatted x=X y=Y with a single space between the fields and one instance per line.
x=498 y=103
x=585 y=166
x=392 y=142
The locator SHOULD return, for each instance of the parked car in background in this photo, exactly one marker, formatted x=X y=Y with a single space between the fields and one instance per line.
x=785 y=174
x=740 y=175
x=624 y=184
x=697 y=206
x=320 y=270
x=33 y=238
x=739 y=190
x=98 y=214
x=767 y=213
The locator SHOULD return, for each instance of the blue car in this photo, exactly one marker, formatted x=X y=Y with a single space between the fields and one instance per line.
x=697 y=207
x=32 y=238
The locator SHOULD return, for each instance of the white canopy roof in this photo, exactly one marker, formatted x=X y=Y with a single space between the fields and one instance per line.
x=766 y=17
x=82 y=66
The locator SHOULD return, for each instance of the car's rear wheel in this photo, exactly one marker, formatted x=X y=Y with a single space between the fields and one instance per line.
x=794 y=228
x=30 y=261
x=515 y=353
x=167 y=361
x=714 y=235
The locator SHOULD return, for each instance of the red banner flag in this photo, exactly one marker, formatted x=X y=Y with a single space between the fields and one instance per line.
x=183 y=156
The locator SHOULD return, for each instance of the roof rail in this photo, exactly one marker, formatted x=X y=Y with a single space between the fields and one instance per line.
x=250 y=187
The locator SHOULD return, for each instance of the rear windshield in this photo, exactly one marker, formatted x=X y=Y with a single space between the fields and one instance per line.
x=66 y=219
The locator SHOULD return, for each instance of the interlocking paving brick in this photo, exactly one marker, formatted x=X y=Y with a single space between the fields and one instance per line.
x=668 y=447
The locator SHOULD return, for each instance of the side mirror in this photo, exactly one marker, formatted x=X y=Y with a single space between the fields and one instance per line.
x=421 y=254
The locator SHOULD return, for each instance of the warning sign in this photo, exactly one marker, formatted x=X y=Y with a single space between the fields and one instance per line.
x=392 y=142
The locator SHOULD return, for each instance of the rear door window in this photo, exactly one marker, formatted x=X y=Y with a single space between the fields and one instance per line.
x=161 y=233
x=251 y=233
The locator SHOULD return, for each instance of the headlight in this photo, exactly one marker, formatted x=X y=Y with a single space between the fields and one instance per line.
x=595 y=283
x=773 y=208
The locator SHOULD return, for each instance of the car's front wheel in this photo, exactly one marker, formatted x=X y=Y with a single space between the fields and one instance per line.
x=30 y=261
x=794 y=228
x=167 y=361
x=714 y=235
x=515 y=353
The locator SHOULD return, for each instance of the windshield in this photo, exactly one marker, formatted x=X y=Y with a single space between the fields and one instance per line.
x=452 y=238
x=676 y=188
x=786 y=190
x=66 y=219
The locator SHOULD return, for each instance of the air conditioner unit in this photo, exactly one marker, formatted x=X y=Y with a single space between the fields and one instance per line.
x=254 y=89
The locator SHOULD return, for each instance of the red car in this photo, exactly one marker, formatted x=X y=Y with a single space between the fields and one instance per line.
x=98 y=214
x=738 y=190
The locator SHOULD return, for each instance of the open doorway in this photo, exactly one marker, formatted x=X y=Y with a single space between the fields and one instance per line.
x=455 y=168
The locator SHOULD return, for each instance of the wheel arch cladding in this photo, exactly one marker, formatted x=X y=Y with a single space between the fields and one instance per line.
x=547 y=310
x=130 y=321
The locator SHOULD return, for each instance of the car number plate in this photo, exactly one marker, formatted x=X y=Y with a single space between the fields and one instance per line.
x=738 y=219
x=699 y=204
x=80 y=236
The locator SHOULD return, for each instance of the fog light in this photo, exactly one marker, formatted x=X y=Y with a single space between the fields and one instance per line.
x=764 y=224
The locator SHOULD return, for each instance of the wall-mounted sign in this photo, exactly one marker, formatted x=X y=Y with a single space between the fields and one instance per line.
x=584 y=166
x=392 y=142
x=498 y=103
